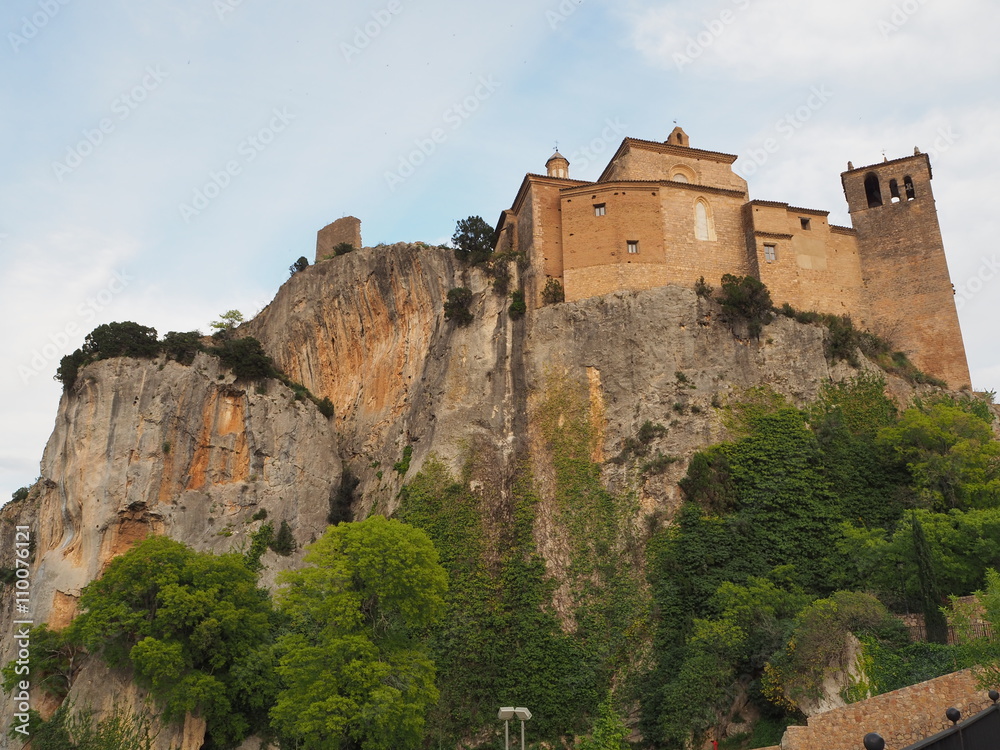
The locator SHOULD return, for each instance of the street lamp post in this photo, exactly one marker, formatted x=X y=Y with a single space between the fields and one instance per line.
x=510 y=712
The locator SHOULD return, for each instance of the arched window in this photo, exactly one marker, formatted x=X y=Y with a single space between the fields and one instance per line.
x=908 y=185
x=873 y=190
x=680 y=177
x=704 y=224
x=893 y=191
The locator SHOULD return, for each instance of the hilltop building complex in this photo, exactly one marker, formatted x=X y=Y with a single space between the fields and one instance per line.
x=667 y=213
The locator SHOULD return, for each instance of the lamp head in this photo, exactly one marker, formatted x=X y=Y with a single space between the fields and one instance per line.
x=506 y=713
x=522 y=713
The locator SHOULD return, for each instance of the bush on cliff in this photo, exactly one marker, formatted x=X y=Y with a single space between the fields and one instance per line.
x=457 y=306
x=109 y=340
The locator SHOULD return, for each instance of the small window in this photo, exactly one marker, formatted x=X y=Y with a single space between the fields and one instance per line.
x=804 y=222
x=633 y=246
x=770 y=253
x=680 y=177
x=600 y=209
x=893 y=191
x=908 y=184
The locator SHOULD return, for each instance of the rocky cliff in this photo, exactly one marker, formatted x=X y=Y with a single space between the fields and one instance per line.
x=154 y=447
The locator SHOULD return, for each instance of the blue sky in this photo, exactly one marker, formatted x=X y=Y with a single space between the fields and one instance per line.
x=166 y=161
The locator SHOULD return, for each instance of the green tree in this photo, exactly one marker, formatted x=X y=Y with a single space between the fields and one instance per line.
x=930 y=593
x=300 y=265
x=195 y=628
x=227 y=321
x=109 y=340
x=355 y=671
x=746 y=299
x=609 y=731
x=182 y=347
x=126 y=339
x=246 y=358
x=473 y=240
x=951 y=453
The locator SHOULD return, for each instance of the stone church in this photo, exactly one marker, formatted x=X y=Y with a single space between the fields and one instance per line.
x=667 y=213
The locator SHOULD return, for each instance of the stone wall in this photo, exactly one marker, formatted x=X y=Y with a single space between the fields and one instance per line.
x=902 y=717
x=347 y=230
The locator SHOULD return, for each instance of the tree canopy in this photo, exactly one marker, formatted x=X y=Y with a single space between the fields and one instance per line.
x=195 y=627
x=355 y=672
x=473 y=240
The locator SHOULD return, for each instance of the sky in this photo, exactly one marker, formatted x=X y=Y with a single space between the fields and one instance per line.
x=166 y=161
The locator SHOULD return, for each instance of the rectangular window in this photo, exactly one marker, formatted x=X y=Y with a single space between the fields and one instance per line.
x=633 y=246
x=770 y=253
x=600 y=209
x=804 y=222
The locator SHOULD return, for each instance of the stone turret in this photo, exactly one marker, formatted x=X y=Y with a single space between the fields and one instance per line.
x=557 y=166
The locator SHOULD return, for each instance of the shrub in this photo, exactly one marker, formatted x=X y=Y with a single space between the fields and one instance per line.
x=473 y=240
x=517 y=306
x=246 y=358
x=325 y=406
x=20 y=494
x=342 y=498
x=498 y=269
x=300 y=265
x=744 y=298
x=553 y=292
x=182 y=347
x=702 y=288
x=109 y=340
x=403 y=465
x=457 y=306
x=343 y=248
x=659 y=464
x=125 y=339
x=283 y=542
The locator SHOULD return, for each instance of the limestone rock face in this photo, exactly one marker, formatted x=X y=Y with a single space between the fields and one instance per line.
x=144 y=447
x=367 y=330
x=153 y=447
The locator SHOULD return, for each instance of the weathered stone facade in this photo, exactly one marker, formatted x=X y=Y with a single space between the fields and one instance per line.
x=666 y=213
x=346 y=230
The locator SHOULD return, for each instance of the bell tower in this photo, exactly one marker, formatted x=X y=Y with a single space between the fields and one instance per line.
x=903 y=265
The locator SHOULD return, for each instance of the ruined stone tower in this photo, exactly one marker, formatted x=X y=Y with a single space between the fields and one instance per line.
x=903 y=267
